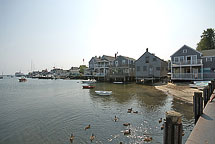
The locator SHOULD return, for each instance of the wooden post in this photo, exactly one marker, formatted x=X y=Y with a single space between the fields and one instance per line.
x=205 y=96
x=172 y=128
x=209 y=85
x=197 y=105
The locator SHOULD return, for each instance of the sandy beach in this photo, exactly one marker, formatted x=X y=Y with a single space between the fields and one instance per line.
x=179 y=91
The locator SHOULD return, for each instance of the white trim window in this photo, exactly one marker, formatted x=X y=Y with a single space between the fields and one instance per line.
x=208 y=59
x=123 y=62
x=181 y=58
x=184 y=50
x=176 y=59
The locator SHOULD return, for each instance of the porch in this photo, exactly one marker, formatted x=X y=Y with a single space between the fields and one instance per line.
x=187 y=76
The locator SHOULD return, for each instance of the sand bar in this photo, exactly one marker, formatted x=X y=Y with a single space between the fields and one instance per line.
x=179 y=91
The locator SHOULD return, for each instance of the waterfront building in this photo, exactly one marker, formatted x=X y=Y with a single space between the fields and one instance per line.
x=99 y=67
x=74 y=71
x=190 y=64
x=150 y=67
x=208 y=59
x=122 y=69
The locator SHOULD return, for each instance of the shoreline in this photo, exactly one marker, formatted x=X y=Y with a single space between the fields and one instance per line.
x=179 y=91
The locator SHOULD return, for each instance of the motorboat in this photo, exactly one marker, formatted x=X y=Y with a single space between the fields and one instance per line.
x=89 y=81
x=103 y=93
x=88 y=87
x=22 y=79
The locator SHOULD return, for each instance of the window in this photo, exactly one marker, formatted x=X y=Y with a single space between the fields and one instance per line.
x=144 y=68
x=176 y=59
x=123 y=62
x=158 y=68
x=116 y=63
x=154 y=59
x=181 y=58
x=208 y=59
x=138 y=68
x=147 y=59
x=184 y=50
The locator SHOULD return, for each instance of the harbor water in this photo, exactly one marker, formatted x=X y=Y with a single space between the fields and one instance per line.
x=48 y=111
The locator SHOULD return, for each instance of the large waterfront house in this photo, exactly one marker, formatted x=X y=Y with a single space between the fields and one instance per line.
x=190 y=64
x=208 y=59
x=149 y=66
x=99 y=66
x=122 y=69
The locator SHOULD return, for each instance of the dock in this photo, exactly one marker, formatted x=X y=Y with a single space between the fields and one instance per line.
x=204 y=130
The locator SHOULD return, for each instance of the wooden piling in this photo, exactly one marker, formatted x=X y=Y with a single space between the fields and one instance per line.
x=172 y=128
x=210 y=88
x=197 y=105
x=206 y=95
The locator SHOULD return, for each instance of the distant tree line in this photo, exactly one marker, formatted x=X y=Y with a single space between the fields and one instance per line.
x=207 y=41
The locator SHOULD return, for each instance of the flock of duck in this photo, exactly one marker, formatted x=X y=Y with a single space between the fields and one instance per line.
x=126 y=132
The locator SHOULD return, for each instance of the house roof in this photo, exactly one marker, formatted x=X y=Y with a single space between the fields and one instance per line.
x=109 y=58
x=208 y=52
x=128 y=57
x=153 y=55
x=185 y=46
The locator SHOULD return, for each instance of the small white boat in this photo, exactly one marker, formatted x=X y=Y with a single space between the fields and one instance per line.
x=103 y=93
x=118 y=82
x=89 y=81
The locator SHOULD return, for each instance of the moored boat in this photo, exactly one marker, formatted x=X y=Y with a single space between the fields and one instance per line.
x=88 y=87
x=103 y=93
x=22 y=79
x=89 y=81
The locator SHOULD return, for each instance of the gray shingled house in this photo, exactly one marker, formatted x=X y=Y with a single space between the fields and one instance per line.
x=149 y=66
x=190 y=64
x=208 y=58
x=186 y=64
x=122 y=69
x=99 y=66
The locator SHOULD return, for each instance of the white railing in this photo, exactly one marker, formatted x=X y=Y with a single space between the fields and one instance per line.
x=187 y=76
x=189 y=62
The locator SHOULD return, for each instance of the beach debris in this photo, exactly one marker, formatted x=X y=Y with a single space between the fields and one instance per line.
x=87 y=127
x=126 y=124
x=92 y=137
x=72 y=138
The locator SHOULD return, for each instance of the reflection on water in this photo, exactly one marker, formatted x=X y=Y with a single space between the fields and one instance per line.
x=48 y=111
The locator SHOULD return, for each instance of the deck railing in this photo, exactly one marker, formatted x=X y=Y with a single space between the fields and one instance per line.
x=187 y=76
x=189 y=62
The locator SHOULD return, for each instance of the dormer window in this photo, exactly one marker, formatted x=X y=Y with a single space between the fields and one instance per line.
x=184 y=50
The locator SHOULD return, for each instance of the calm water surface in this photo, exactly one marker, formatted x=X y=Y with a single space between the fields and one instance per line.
x=48 y=111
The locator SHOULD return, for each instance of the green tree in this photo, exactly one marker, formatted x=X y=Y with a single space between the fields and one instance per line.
x=207 y=41
x=82 y=68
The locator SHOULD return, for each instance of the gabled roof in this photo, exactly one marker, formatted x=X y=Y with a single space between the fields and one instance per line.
x=151 y=54
x=109 y=58
x=127 y=57
x=208 y=52
x=185 y=46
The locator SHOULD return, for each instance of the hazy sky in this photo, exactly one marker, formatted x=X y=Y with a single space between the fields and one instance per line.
x=40 y=34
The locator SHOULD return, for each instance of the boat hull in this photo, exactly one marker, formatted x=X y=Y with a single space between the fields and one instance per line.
x=103 y=93
x=88 y=87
